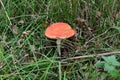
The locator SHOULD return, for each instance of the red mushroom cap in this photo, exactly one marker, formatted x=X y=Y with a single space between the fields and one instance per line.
x=59 y=30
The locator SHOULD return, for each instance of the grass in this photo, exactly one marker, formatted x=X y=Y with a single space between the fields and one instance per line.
x=26 y=54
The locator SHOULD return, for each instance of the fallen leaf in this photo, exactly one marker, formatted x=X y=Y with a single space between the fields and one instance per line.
x=115 y=15
x=21 y=22
x=1 y=64
x=24 y=34
x=45 y=24
x=82 y=21
x=14 y=29
x=98 y=14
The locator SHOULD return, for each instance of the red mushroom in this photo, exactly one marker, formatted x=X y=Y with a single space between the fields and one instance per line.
x=59 y=31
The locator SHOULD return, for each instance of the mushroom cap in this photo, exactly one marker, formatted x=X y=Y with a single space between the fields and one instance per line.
x=59 y=30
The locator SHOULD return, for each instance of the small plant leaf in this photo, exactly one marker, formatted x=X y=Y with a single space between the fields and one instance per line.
x=115 y=74
x=109 y=67
x=115 y=63
x=111 y=60
x=100 y=64
x=117 y=28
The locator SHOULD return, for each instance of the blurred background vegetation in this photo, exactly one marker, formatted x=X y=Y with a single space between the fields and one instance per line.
x=26 y=54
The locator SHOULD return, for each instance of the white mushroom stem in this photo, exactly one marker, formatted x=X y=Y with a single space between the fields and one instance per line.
x=58 y=42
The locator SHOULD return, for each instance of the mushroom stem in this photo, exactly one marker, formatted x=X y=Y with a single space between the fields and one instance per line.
x=58 y=46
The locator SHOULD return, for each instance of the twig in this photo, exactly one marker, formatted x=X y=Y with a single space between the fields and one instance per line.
x=88 y=56
x=6 y=14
